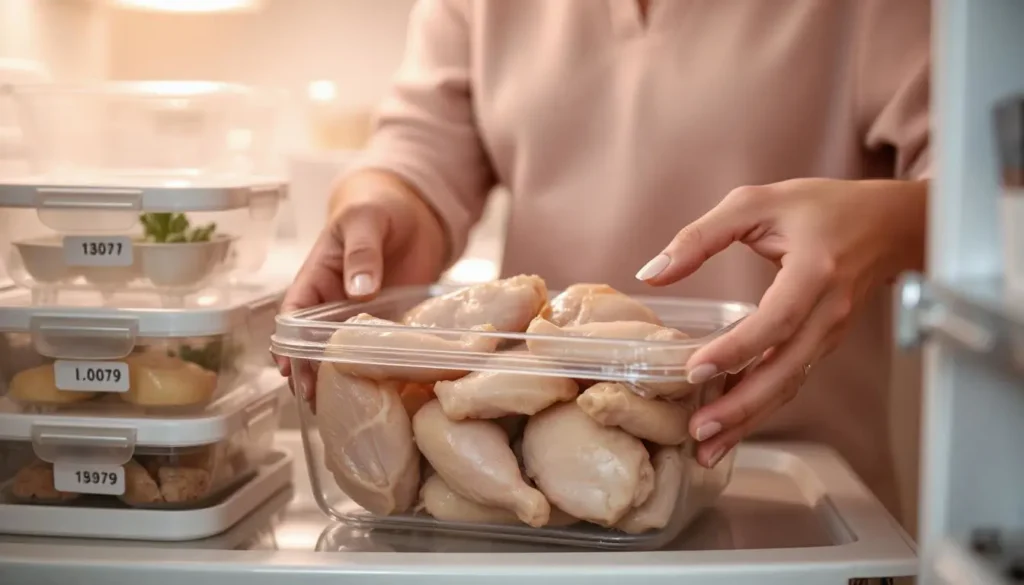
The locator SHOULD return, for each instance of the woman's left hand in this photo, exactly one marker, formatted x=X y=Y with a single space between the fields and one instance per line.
x=834 y=243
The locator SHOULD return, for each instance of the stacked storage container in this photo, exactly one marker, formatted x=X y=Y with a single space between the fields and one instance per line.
x=134 y=398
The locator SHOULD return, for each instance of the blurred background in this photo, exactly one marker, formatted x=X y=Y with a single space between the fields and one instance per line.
x=334 y=58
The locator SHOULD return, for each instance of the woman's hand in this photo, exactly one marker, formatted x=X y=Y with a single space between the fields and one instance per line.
x=379 y=233
x=834 y=243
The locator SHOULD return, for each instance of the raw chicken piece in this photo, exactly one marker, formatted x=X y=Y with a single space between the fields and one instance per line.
x=35 y=482
x=444 y=504
x=183 y=484
x=474 y=459
x=597 y=303
x=38 y=385
x=140 y=488
x=496 y=394
x=441 y=502
x=661 y=354
x=593 y=472
x=414 y=396
x=368 y=444
x=159 y=380
x=372 y=336
x=508 y=305
x=669 y=467
x=655 y=420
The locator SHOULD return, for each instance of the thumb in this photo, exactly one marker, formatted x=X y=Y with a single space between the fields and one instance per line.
x=363 y=229
x=729 y=221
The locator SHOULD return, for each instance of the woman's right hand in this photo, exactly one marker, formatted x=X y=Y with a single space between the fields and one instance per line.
x=379 y=233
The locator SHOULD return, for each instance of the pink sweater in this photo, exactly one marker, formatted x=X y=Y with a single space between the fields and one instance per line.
x=613 y=131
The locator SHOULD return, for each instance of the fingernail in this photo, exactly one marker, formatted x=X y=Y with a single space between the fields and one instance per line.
x=715 y=458
x=707 y=430
x=702 y=373
x=360 y=285
x=654 y=267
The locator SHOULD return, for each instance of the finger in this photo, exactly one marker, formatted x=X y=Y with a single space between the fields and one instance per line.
x=318 y=280
x=284 y=366
x=777 y=379
x=711 y=452
x=727 y=222
x=362 y=232
x=784 y=308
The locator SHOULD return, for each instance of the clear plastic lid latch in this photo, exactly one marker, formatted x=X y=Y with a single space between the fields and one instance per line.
x=76 y=338
x=83 y=445
x=88 y=209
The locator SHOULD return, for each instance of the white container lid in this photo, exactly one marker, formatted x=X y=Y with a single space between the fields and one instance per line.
x=253 y=403
x=204 y=315
x=137 y=195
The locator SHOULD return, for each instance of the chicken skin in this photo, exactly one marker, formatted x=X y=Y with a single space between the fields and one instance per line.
x=654 y=420
x=508 y=305
x=372 y=337
x=497 y=394
x=368 y=442
x=474 y=458
x=593 y=472
x=597 y=303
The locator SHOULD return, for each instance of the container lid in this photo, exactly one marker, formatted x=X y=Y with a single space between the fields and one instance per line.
x=307 y=334
x=138 y=195
x=202 y=314
x=253 y=403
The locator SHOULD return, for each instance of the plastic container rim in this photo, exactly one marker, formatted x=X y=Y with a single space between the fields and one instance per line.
x=218 y=422
x=286 y=341
x=166 y=196
x=151 y=322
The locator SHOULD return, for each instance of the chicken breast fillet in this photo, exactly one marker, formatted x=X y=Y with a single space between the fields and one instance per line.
x=508 y=305
x=371 y=338
x=497 y=394
x=606 y=347
x=368 y=442
x=593 y=472
x=655 y=513
x=443 y=503
x=597 y=303
x=655 y=420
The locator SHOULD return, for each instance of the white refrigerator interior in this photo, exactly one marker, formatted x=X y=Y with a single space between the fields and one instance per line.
x=792 y=514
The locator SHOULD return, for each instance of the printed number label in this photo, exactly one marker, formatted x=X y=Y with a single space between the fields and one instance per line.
x=91 y=376
x=89 y=479
x=98 y=251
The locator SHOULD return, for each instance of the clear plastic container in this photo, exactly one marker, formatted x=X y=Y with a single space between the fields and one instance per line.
x=173 y=240
x=641 y=366
x=155 y=130
x=82 y=459
x=146 y=358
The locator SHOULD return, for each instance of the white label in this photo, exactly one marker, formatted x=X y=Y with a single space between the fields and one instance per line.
x=76 y=478
x=98 y=251
x=75 y=376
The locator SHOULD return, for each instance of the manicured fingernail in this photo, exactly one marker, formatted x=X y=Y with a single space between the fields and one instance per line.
x=715 y=458
x=360 y=285
x=707 y=430
x=702 y=373
x=654 y=267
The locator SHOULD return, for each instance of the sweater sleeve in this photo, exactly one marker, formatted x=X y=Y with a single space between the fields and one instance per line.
x=425 y=129
x=893 y=71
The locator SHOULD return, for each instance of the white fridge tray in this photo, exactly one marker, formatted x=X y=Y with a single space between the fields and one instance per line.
x=793 y=515
x=154 y=525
